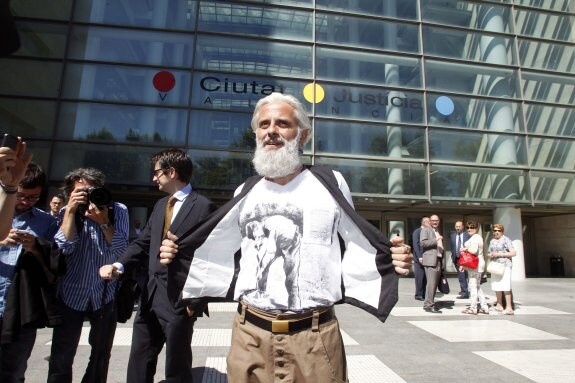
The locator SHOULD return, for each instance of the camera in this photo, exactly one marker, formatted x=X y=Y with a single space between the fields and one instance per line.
x=99 y=196
x=9 y=141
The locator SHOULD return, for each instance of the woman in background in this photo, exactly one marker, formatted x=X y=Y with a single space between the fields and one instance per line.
x=501 y=250
x=474 y=245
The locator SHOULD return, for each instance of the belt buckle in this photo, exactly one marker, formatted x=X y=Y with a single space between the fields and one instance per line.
x=280 y=326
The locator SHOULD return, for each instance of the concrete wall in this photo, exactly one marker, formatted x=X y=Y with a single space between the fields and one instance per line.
x=555 y=235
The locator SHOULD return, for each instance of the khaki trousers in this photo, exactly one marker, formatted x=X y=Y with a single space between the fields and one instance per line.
x=308 y=356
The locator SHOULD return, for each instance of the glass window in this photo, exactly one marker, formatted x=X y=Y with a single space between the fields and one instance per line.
x=361 y=139
x=42 y=40
x=550 y=120
x=552 y=153
x=255 y=20
x=469 y=183
x=552 y=5
x=131 y=46
x=553 y=187
x=366 y=33
x=220 y=169
x=251 y=56
x=551 y=26
x=380 y=178
x=50 y=10
x=471 y=79
x=468 y=46
x=476 y=147
x=299 y=3
x=475 y=113
x=126 y=84
x=41 y=153
x=548 y=88
x=549 y=56
x=375 y=104
x=404 y=9
x=221 y=129
x=16 y=117
x=122 y=164
x=163 y=14
x=467 y=14
x=376 y=69
x=122 y=123
x=238 y=92
x=30 y=78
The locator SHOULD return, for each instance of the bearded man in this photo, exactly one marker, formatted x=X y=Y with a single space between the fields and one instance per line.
x=295 y=220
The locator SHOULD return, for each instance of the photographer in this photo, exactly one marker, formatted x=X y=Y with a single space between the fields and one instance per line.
x=94 y=232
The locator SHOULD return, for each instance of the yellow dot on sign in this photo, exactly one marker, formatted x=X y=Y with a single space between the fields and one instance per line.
x=313 y=93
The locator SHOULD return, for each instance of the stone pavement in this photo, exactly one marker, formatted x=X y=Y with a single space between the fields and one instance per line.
x=535 y=345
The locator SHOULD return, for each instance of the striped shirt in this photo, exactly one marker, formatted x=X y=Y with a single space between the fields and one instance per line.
x=34 y=221
x=81 y=287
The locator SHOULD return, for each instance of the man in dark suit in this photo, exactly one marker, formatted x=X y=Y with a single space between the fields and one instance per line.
x=418 y=269
x=157 y=321
x=458 y=238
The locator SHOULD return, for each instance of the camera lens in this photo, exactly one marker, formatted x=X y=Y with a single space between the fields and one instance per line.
x=99 y=196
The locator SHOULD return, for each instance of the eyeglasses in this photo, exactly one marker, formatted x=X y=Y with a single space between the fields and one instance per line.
x=496 y=231
x=158 y=172
x=26 y=197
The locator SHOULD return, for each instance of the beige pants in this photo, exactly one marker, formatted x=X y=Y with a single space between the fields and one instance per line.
x=307 y=356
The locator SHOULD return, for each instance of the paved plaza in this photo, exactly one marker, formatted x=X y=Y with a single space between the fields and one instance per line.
x=537 y=344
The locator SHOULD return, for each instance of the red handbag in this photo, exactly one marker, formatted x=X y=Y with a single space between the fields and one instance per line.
x=468 y=260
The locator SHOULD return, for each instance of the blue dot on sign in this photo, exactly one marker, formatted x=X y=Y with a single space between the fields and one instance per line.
x=444 y=105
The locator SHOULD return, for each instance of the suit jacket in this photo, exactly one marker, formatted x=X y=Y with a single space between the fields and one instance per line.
x=144 y=251
x=429 y=246
x=369 y=280
x=417 y=250
x=454 y=249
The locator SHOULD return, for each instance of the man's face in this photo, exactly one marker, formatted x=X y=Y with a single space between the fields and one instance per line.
x=434 y=221
x=26 y=198
x=56 y=204
x=459 y=226
x=278 y=140
x=161 y=177
x=425 y=222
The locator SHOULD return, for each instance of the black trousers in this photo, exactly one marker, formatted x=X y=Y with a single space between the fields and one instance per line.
x=156 y=324
x=420 y=279
x=14 y=355
x=65 y=341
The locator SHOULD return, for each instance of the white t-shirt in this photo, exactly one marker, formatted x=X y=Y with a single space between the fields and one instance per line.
x=291 y=258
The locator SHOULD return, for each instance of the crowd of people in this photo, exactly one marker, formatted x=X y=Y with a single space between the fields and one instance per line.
x=429 y=263
x=281 y=248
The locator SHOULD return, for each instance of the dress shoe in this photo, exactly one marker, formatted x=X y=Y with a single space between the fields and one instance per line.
x=418 y=298
x=432 y=310
x=463 y=296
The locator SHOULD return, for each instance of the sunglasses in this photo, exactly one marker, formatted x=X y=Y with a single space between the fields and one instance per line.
x=497 y=231
x=470 y=227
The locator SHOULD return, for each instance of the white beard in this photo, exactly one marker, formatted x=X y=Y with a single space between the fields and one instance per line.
x=277 y=163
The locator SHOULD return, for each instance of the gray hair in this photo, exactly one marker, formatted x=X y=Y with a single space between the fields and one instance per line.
x=300 y=114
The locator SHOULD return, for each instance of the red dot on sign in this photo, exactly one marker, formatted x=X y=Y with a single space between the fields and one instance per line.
x=164 y=81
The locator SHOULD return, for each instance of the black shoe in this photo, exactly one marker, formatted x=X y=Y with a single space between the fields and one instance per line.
x=418 y=298
x=463 y=296
x=432 y=310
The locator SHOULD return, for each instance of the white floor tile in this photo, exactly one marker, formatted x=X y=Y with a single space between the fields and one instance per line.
x=369 y=369
x=541 y=366
x=483 y=330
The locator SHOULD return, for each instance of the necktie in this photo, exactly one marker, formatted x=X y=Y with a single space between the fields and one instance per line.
x=169 y=212
x=458 y=243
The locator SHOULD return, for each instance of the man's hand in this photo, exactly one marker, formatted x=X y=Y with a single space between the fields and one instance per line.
x=98 y=214
x=169 y=249
x=109 y=272
x=11 y=240
x=79 y=196
x=401 y=258
x=13 y=163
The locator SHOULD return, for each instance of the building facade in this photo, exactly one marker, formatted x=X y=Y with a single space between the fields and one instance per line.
x=460 y=108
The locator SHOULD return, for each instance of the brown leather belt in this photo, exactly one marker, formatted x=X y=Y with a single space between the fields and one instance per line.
x=285 y=325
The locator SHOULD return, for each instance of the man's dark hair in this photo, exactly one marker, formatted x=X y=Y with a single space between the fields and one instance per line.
x=58 y=195
x=177 y=159
x=95 y=176
x=34 y=177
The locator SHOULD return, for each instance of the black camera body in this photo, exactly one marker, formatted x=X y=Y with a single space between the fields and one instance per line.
x=99 y=196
